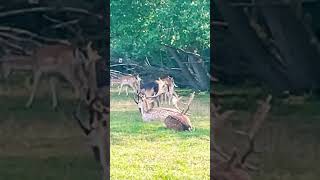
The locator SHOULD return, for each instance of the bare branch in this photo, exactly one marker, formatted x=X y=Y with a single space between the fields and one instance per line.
x=12 y=45
x=258 y=118
x=67 y=23
x=182 y=50
x=34 y=35
x=39 y=9
x=13 y=37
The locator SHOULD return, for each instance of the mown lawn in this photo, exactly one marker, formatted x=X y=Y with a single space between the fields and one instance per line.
x=142 y=150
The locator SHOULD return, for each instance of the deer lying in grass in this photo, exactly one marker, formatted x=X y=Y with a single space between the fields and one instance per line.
x=129 y=81
x=98 y=130
x=235 y=167
x=64 y=60
x=173 y=118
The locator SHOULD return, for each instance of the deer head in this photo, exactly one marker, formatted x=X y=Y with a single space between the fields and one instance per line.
x=162 y=86
x=142 y=101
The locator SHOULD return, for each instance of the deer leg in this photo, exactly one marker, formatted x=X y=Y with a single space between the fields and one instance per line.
x=37 y=76
x=158 y=101
x=163 y=99
x=53 y=91
x=103 y=156
x=170 y=96
x=120 y=89
x=127 y=91
x=6 y=73
x=75 y=84
x=166 y=98
x=28 y=82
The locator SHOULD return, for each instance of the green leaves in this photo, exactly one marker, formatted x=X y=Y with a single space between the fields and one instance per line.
x=140 y=27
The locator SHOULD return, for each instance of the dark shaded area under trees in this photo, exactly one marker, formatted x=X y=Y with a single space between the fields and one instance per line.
x=271 y=43
x=25 y=26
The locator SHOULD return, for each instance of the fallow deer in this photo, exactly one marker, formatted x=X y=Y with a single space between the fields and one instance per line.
x=154 y=90
x=169 y=91
x=129 y=81
x=173 y=118
x=235 y=168
x=64 y=60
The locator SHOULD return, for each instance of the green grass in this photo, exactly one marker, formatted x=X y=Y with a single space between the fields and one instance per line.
x=39 y=143
x=289 y=138
x=141 y=150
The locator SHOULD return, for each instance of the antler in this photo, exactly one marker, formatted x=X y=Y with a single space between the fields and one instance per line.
x=232 y=167
x=189 y=103
x=136 y=101
x=175 y=100
x=76 y=117
x=219 y=119
x=258 y=118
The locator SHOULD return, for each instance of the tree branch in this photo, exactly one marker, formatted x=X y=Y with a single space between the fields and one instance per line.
x=40 y=9
x=34 y=35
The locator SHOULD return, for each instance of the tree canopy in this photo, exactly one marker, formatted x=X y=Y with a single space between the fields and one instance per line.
x=139 y=28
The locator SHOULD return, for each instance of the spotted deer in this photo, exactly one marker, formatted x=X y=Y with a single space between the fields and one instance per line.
x=70 y=62
x=172 y=118
x=169 y=91
x=154 y=90
x=235 y=167
x=129 y=81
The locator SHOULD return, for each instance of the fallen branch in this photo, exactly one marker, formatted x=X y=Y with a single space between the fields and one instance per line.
x=67 y=23
x=182 y=50
x=16 y=38
x=34 y=35
x=12 y=45
x=45 y=9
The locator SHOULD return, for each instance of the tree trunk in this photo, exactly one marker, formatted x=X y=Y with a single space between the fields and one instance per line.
x=186 y=73
x=200 y=72
x=294 y=43
x=263 y=64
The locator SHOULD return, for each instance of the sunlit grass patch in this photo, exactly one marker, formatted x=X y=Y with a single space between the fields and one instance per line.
x=142 y=150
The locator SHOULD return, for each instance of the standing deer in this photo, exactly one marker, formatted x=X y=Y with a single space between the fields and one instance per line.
x=131 y=81
x=64 y=60
x=154 y=90
x=235 y=167
x=169 y=91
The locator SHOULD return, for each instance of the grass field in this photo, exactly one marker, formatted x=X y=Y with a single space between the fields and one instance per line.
x=142 y=150
x=39 y=143
x=289 y=139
